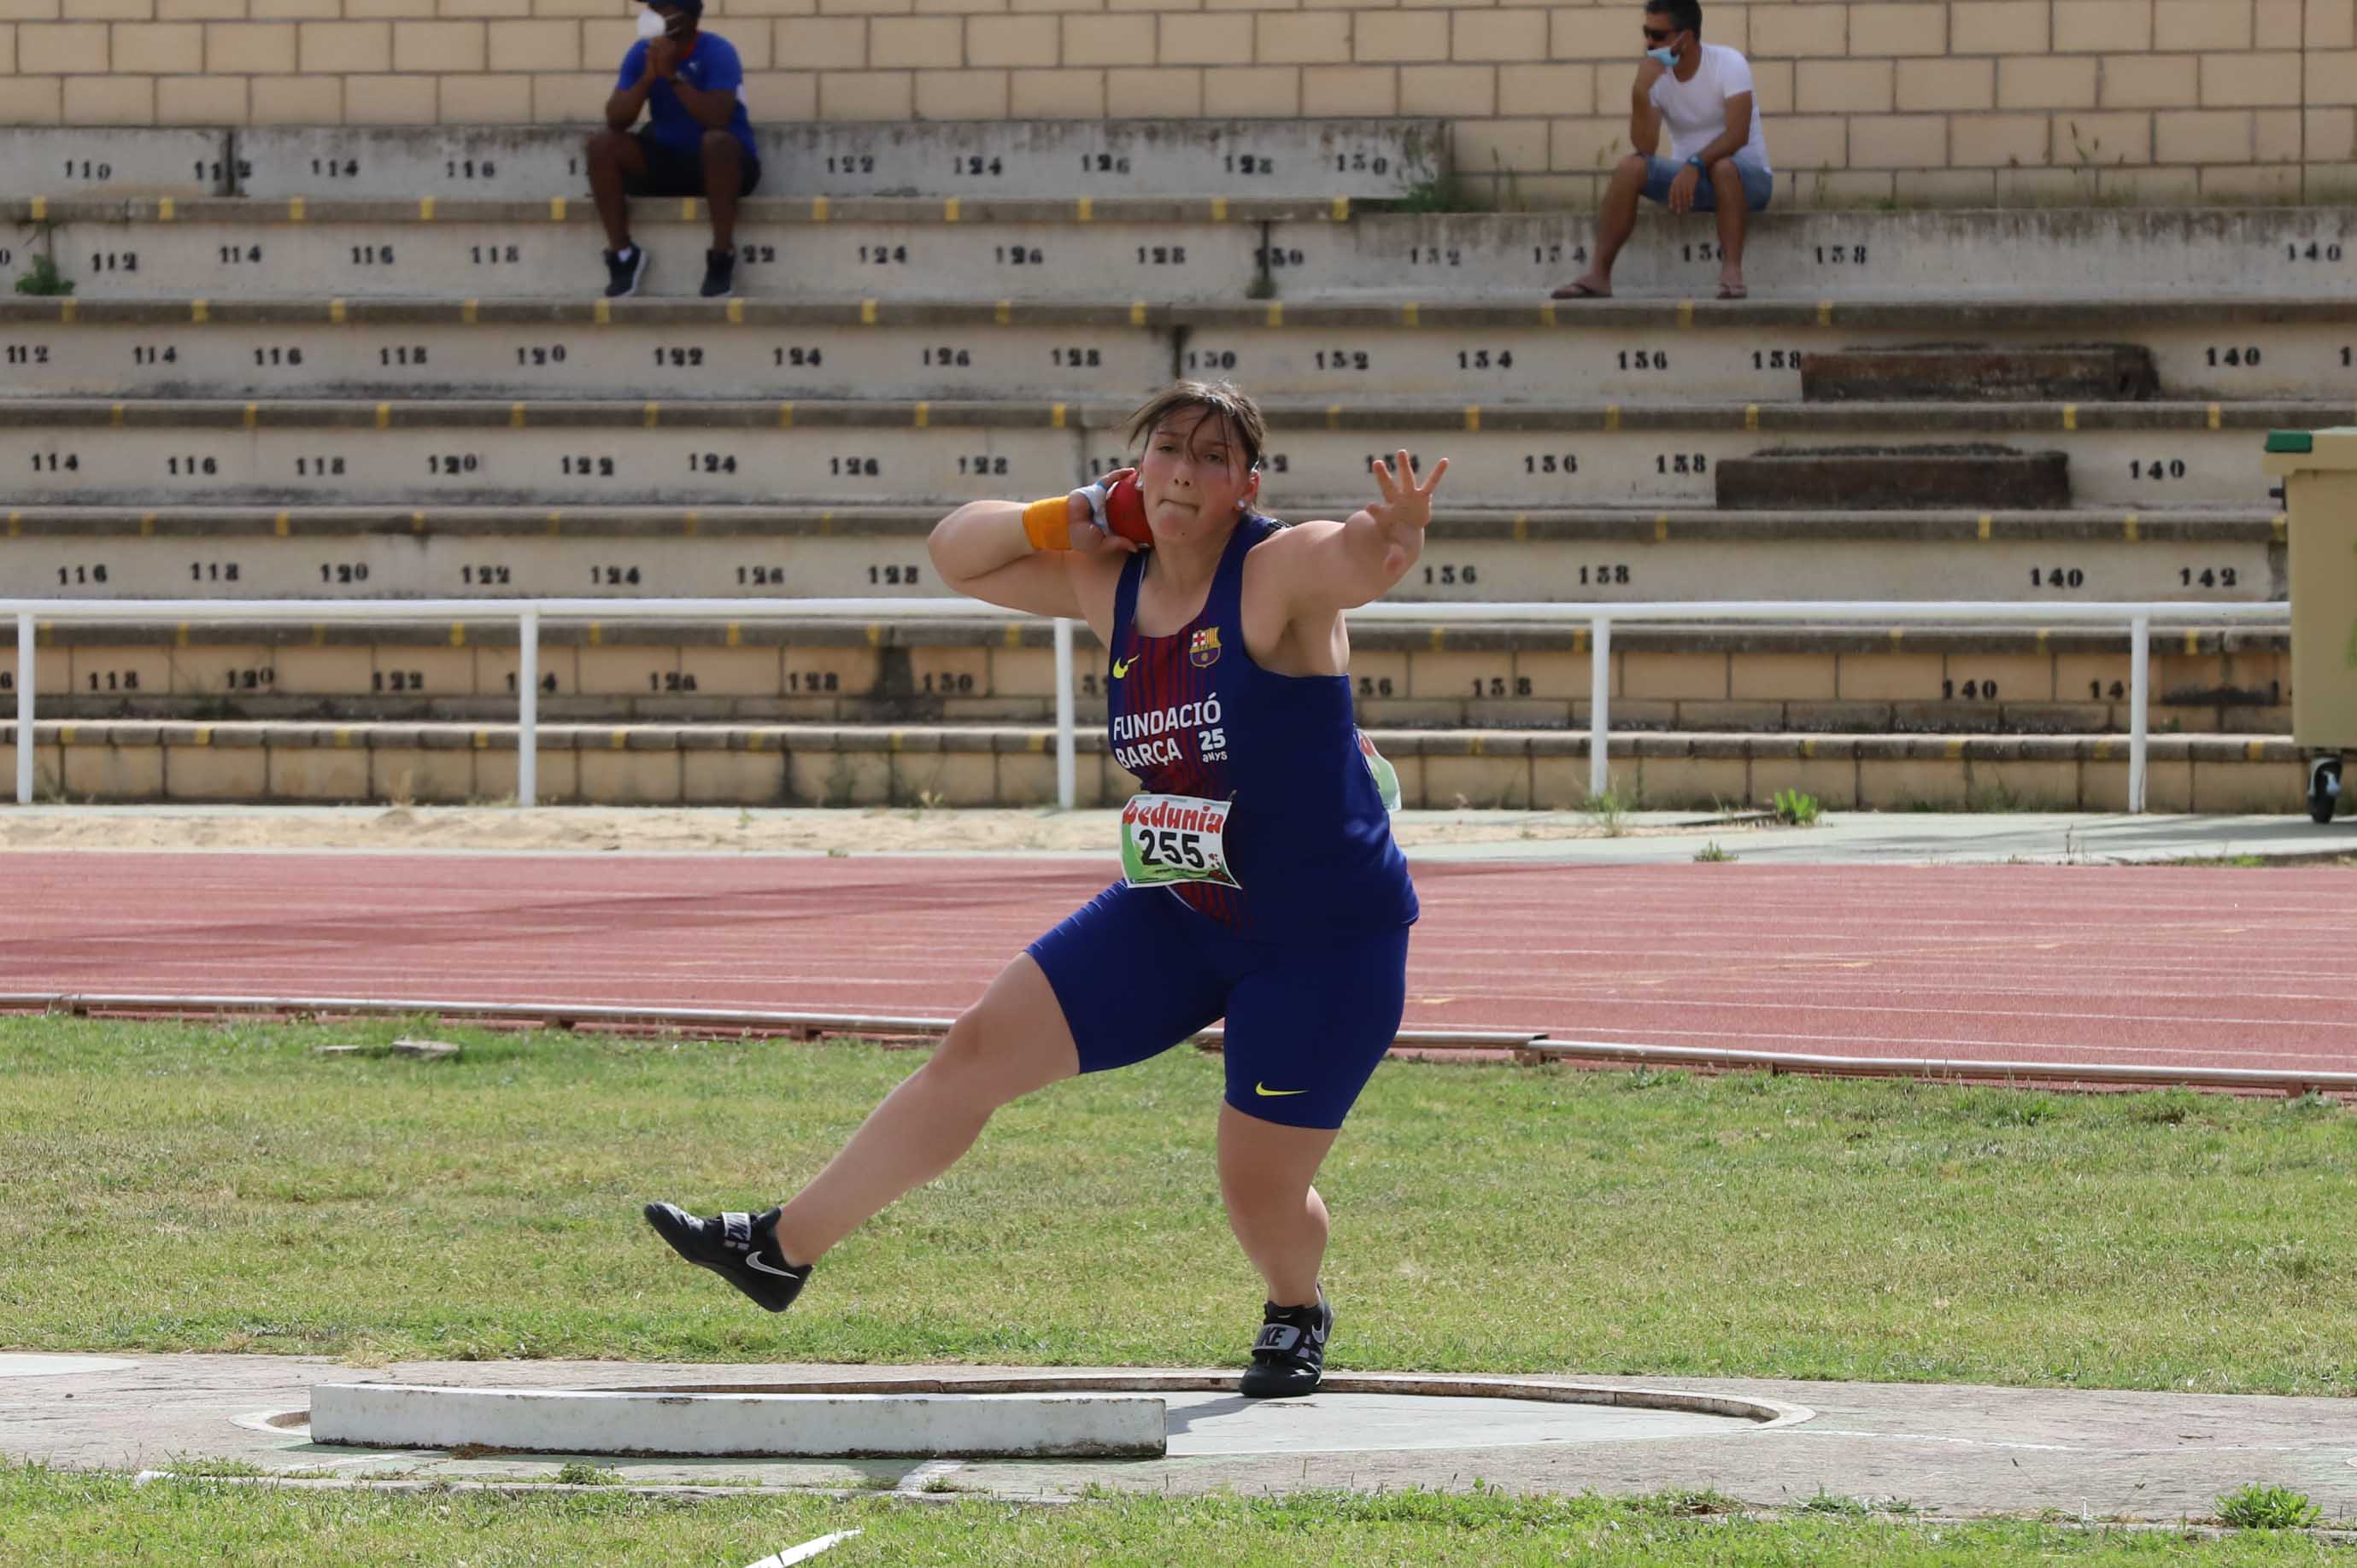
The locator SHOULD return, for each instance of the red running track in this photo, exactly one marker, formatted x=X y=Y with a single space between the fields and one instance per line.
x=2167 y=965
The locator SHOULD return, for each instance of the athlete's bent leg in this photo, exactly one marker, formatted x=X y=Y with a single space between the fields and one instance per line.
x=1266 y=1170
x=1011 y=1042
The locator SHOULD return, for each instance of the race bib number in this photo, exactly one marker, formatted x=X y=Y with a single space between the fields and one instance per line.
x=1175 y=838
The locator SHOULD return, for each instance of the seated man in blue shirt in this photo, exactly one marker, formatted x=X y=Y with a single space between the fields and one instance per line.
x=698 y=140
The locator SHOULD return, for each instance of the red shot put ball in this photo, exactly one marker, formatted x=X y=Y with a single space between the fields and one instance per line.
x=1125 y=510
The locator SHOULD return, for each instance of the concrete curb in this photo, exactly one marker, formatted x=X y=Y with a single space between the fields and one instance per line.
x=782 y=1422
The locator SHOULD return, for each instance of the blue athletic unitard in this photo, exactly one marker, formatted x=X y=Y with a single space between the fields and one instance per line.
x=1306 y=957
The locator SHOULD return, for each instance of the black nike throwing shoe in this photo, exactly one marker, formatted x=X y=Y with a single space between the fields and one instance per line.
x=1289 y=1356
x=741 y=1249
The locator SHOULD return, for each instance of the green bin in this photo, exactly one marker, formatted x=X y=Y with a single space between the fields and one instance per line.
x=2318 y=470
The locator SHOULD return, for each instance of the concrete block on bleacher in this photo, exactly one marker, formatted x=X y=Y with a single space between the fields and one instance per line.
x=2103 y=373
x=1876 y=478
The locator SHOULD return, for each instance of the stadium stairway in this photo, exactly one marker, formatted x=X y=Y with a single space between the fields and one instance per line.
x=455 y=413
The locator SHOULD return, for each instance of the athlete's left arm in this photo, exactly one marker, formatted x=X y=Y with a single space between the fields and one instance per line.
x=1341 y=565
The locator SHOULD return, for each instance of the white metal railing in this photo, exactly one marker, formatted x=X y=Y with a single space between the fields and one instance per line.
x=528 y=615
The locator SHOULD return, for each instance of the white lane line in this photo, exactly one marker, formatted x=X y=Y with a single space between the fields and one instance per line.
x=2192 y=1447
x=1928 y=1437
x=913 y=1484
x=802 y=1553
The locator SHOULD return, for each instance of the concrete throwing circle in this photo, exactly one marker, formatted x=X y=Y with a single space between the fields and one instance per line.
x=27 y=1365
x=1106 y=1415
x=1326 y=1423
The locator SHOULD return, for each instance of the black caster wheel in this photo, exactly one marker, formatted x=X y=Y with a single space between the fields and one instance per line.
x=2323 y=788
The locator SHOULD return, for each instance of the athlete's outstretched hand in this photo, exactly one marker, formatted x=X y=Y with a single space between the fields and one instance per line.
x=1405 y=509
x=1088 y=538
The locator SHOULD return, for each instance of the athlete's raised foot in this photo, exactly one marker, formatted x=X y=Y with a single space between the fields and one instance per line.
x=740 y=1248
x=1289 y=1356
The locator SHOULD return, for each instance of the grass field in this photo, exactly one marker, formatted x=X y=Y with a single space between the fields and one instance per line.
x=49 y=1517
x=1487 y=1219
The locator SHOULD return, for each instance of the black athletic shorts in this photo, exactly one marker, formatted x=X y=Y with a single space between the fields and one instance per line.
x=672 y=172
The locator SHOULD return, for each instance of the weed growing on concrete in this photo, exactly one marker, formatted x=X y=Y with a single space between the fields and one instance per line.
x=2258 y=1507
x=1796 y=809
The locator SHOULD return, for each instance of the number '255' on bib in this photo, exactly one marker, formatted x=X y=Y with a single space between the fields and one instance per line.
x=1175 y=838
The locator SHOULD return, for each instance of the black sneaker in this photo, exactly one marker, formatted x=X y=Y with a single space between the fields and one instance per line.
x=741 y=1249
x=720 y=273
x=1289 y=1356
x=622 y=277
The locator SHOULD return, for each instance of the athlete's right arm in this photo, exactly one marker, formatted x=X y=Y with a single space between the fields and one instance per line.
x=983 y=551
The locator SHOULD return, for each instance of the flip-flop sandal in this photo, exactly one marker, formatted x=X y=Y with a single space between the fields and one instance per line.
x=1733 y=291
x=1580 y=291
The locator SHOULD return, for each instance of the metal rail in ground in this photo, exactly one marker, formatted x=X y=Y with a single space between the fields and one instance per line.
x=1527 y=1046
x=565 y=1015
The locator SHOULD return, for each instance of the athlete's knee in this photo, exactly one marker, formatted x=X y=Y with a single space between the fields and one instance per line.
x=1262 y=1206
x=605 y=146
x=985 y=1060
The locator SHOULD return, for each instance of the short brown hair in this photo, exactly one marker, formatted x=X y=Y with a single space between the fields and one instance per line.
x=1218 y=400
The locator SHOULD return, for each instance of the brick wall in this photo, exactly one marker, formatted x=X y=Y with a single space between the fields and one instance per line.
x=1965 y=101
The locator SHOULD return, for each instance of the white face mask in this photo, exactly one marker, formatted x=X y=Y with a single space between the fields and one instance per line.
x=651 y=25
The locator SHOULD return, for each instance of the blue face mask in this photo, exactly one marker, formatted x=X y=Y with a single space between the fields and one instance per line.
x=1664 y=57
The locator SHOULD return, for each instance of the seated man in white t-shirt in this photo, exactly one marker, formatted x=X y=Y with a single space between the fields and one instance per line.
x=1719 y=156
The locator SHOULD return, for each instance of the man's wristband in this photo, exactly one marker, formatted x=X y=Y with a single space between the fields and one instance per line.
x=1047 y=524
x=1696 y=163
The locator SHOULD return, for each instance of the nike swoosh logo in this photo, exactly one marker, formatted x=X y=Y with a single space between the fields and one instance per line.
x=1275 y=1093
x=754 y=1259
x=1120 y=667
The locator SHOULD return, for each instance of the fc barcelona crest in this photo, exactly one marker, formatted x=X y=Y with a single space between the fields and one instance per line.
x=1203 y=652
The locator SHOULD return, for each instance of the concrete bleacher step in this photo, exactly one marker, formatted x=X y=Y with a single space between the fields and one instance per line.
x=1320 y=246
x=974 y=247
x=555 y=452
x=962 y=670
x=116 y=161
x=2096 y=372
x=2218 y=348
x=2198 y=554
x=1015 y=766
x=1367 y=157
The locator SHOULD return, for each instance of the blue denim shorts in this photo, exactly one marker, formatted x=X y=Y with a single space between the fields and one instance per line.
x=1758 y=184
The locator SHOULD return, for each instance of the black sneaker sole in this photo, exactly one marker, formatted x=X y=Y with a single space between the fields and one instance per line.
x=771 y=1291
x=1291 y=1379
x=1263 y=1381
